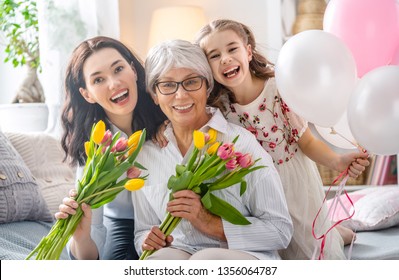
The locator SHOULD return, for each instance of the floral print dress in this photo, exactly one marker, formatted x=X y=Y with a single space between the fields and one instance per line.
x=278 y=130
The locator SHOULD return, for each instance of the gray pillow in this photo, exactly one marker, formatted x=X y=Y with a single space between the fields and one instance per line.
x=20 y=196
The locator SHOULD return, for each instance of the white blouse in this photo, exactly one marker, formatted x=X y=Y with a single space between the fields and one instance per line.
x=263 y=203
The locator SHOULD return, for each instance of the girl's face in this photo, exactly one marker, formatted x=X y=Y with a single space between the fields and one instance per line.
x=110 y=82
x=228 y=57
x=183 y=108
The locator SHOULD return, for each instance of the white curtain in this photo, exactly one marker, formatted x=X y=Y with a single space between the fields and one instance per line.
x=62 y=26
x=288 y=14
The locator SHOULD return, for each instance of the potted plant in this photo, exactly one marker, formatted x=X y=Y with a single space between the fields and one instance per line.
x=19 y=33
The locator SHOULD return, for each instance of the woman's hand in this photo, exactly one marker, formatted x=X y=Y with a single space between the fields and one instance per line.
x=68 y=207
x=156 y=240
x=187 y=205
x=357 y=163
x=159 y=137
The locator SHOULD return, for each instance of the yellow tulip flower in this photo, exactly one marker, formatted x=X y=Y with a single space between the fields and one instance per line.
x=87 y=149
x=133 y=141
x=199 y=139
x=213 y=149
x=98 y=133
x=212 y=135
x=134 y=184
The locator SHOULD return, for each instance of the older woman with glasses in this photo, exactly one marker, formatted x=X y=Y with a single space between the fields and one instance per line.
x=179 y=80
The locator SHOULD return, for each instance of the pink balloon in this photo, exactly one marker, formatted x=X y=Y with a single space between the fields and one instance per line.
x=368 y=27
x=395 y=58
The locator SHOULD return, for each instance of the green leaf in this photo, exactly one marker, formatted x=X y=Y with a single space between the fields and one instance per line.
x=243 y=187
x=197 y=189
x=236 y=178
x=209 y=174
x=206 y=200
x=103 y=201
x=114 y=174
x=226 y=211
x=192 y=159
x=109 y=163
x=180 y=168
x=180 y=183
x=138 y=165
x=208 y=162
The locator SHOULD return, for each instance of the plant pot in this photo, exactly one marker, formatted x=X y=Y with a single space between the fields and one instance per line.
x=23 y=117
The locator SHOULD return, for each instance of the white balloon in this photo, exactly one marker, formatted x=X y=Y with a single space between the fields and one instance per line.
x=315 y=75
x=373 y=111
x=339 y=135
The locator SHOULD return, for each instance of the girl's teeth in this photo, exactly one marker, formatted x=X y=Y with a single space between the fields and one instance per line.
x=231 y=72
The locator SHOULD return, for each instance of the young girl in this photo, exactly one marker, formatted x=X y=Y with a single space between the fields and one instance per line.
x=246 y=87
x=104 y=81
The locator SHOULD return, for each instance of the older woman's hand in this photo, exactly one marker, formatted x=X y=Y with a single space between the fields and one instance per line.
x=156 y=240
x=187 y=205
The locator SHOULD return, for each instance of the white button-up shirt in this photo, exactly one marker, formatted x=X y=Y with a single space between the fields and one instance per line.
x=263 y=203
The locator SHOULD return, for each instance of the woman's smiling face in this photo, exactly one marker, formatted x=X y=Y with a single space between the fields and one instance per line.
x=110 y=82
x=183 y=108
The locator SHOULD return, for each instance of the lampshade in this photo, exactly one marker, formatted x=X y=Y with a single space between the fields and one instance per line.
x=179 y=22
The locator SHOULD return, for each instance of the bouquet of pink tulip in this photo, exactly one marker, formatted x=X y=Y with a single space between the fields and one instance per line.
x=108 y=158
x=212 y=166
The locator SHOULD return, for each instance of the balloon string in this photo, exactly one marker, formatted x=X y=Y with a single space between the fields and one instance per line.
x=333 y=131
x=344 y=175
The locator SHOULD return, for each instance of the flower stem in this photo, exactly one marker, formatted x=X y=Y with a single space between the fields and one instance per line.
x=167 y=227
x=51 y=246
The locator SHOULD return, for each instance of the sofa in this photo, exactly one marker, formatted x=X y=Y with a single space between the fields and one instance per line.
x=33 y=181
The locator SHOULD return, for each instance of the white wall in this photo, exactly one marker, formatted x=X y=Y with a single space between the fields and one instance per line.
x=262 y=16
x=9 y=79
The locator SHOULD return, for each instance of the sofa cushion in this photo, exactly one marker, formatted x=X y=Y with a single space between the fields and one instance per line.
x=374 y=208
x=44 y=156
x=20 y=195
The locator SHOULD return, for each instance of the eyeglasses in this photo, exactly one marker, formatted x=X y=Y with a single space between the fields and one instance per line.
x=190 y=84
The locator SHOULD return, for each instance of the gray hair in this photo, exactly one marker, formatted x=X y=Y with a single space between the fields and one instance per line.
x=176 y=54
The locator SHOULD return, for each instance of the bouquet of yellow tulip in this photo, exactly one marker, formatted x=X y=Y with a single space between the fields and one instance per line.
x=108 y=158
x=212 y=166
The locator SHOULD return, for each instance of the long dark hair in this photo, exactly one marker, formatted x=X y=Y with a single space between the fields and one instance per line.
x=78 y=115
x=259 y=66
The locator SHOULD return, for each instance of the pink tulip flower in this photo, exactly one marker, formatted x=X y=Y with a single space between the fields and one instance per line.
x=226 y=151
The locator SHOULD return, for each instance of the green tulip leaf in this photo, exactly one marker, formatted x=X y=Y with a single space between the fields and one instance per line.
x=109 y=164
x=206 y=200
x=180 y=183
x=226 y=211
x=138 y=165
x=243 y=187
x=180 y=169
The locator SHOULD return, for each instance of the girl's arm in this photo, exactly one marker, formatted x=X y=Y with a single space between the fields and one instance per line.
x=321 y=153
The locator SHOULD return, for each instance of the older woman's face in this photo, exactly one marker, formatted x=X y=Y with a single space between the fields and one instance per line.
x=183 y=108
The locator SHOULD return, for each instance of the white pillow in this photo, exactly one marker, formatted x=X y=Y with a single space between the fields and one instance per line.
x=375 y=208
x=43 y=155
